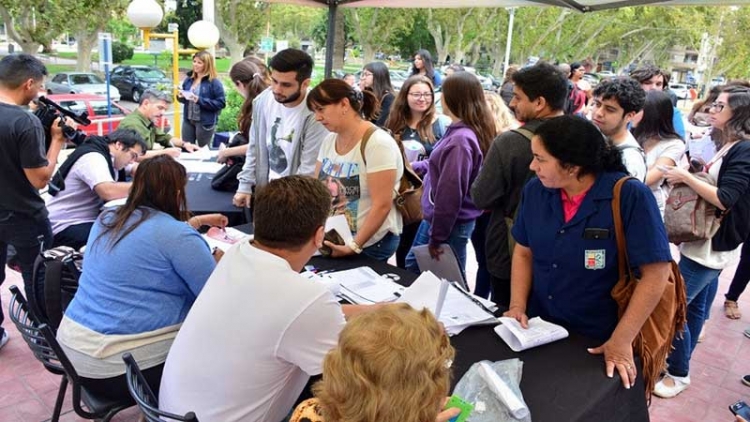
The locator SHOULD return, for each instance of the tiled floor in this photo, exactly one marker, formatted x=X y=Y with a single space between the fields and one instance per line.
x=28 y=391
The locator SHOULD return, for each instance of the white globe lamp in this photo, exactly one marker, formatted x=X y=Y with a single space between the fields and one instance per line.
x=203 y=34
x=145 y=13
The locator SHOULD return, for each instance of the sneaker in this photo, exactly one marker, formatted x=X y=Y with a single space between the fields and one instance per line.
x=678 y=385
x=746 y=380
x=4 y=339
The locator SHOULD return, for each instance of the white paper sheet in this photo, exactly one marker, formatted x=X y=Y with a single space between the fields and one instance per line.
x=540 y=332
x=207 y=167
x=363 y=285
x=225 y=241
x=427 y=291
x=203 y=154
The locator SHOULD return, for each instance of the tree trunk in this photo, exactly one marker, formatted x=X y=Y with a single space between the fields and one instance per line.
x=441 y=43
x=339 y=40
x=85 y=41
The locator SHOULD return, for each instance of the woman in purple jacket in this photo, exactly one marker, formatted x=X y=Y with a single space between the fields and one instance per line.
x=447 y=208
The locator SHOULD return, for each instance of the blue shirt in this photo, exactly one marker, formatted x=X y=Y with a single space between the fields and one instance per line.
x=573 y=273
x=148 y=281
x=679 y=125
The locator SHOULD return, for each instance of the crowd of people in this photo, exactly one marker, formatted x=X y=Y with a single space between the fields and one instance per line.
x=526 y=174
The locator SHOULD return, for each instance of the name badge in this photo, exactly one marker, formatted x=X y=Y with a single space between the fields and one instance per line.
x=595 y=259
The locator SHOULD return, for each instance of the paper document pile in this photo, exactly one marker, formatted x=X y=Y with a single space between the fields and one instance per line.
x=363 y=286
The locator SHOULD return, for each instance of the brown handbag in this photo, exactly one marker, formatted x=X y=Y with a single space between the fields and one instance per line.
x=654 y=340
x=687 y=216
x=408 y=198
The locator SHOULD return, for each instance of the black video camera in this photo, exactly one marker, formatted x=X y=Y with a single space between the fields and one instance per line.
x=48 y=111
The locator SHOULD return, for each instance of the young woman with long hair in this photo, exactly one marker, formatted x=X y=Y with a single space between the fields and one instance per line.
x=423 y=66
x=654 y=131
x=250 y=77
x=702 y=261
x=375 y=77
x=448 y=210
x=415 y=123
x=145 y=266
x=203 y=96
x=368 y=179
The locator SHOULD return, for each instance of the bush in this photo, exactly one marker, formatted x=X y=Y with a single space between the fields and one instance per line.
x=121 y=52
x=228 y=116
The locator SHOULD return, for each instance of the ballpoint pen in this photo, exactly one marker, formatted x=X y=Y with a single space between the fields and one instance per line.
x=471 y=297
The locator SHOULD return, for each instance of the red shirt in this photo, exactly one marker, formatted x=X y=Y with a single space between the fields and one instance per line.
x=571 y=204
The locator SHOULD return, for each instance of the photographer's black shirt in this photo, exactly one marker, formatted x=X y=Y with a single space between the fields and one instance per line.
x=21 y=146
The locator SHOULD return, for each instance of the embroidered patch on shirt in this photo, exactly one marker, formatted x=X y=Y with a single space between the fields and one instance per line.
x=594 y=259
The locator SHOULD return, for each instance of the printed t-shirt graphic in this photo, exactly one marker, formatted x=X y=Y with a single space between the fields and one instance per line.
x=283 y=123
x=342 y=179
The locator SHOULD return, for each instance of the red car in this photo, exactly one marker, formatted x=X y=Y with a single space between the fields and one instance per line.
x=96 y=107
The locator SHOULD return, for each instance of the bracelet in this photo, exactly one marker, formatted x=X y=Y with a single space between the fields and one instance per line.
x=353 y=245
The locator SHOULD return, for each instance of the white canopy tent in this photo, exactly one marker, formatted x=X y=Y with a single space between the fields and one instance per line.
x=579 y=5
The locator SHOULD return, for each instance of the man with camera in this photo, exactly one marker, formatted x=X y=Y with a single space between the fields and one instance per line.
x=25 y=166
x=152 y=106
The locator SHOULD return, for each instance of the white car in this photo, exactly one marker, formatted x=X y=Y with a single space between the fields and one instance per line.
x=681 y=90
x=81 y=83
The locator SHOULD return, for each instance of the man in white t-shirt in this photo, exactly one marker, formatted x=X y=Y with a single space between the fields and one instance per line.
x=284 y=137
x=258 y=330
x=86 y=180
x=615 y=104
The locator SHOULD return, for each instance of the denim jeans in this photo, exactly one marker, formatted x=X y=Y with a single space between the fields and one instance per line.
x=457 y=240
x=383 y=248
x=698 y=281
x=195 y=132
x=24 y=233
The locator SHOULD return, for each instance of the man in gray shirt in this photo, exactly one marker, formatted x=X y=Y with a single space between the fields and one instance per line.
x=540 y=93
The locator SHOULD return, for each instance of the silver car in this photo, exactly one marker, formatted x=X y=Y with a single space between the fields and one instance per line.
x=80 y=83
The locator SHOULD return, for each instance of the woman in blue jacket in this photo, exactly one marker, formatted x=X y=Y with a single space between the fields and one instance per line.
x=203 y=96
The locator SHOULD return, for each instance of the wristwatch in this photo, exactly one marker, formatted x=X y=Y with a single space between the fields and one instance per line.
x=355 y=247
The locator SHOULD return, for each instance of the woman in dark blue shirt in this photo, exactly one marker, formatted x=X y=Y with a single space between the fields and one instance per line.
x=565 y=259
x=203 y=96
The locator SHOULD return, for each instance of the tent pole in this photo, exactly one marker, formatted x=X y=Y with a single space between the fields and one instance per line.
x=506 y=63
x=330 y=37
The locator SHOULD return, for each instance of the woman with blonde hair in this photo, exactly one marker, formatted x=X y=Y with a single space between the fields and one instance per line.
x=504 y=118
x=203 y=96
x=417 y=125
x=390 y=365
x=370 y=173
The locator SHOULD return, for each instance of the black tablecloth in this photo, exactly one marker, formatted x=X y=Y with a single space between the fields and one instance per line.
x=561 y=380
x=202 y=199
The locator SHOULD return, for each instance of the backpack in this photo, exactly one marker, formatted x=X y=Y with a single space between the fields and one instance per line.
x=55 y=281
x=225 y=179
x=654 y=339
x=408 y=198
x=687 y=216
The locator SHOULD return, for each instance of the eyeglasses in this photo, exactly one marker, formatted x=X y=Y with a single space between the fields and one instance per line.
x=366 y=74
x=717 y=106
x=419 y=95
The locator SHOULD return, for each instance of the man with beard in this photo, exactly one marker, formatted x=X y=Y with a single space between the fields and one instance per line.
x=25 y=167
x=284 y=138
x=539 y=93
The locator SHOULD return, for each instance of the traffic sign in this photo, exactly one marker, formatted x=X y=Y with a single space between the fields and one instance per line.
x=266 y=44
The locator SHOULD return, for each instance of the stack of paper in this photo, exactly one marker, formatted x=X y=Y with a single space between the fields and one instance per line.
x=456 y=308
x=223 y=239
x=324 y=279
x=203 y=154
x=363 y=286
x=539 y=332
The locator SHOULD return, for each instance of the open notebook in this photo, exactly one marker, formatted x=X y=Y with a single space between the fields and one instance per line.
x=539 y=332
x=456 y=308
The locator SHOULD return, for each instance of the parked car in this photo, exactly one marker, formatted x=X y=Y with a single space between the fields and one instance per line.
x=681 y=90
x=592 y=78
x=133 y=80
x=80 y=83
x=605 y=74
x=96 y=108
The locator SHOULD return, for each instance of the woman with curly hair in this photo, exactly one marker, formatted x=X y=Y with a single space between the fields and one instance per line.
x=390 y=365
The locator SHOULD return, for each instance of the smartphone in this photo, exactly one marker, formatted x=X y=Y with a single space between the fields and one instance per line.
x=457 y=402
x=334 y=237
x=740 y=409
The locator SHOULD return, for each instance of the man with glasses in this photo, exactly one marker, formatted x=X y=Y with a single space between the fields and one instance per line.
x=88 y=179
x=152 y=107
x=25 y=166
x=284 y=138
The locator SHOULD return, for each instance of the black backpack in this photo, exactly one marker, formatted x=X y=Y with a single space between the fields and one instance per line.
x=55 y=282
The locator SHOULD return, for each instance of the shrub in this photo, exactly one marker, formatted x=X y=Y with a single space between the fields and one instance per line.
x=121 y=52
x=228 y=116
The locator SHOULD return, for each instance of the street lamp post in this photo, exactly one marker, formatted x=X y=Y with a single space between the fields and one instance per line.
x=146 y=14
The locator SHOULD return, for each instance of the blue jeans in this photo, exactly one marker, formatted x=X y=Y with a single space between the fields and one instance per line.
x=458 y=239
x=24 y=233
x=698 y=280
x=383 y=248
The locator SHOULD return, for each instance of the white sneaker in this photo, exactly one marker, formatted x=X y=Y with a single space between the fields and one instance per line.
x=4 y=339
x=679 y=384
